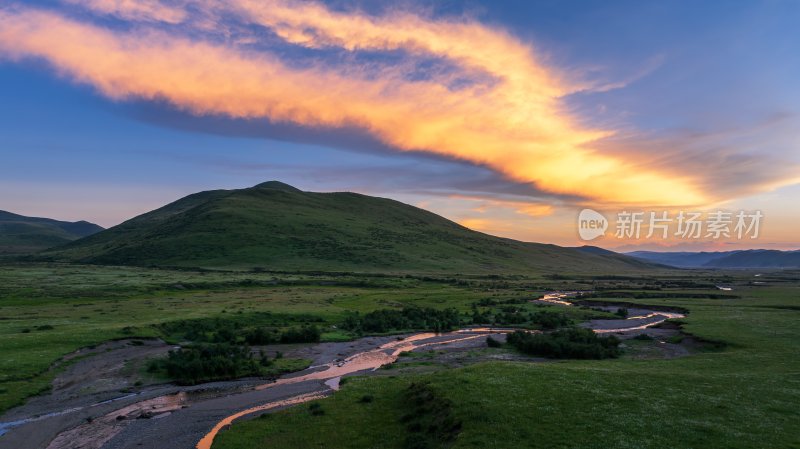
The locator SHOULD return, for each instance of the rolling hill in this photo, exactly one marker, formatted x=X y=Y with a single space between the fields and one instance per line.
x=25 y=235
x=754 y=258
x=277 y=227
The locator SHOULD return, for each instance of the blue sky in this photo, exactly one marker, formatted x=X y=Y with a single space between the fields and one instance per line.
x=703 y=93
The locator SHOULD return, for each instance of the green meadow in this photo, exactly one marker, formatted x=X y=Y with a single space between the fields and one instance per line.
x=50 y=310
x=742 y=391
x=742 y=396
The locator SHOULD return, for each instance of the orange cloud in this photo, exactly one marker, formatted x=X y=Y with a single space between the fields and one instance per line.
x=535 y=210
x=147 y=10
x=485 y=225
x=529 y=208
x=515 y=123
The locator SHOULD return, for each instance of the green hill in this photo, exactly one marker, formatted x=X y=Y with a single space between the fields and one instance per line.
x=278 y=227
x=25 y=235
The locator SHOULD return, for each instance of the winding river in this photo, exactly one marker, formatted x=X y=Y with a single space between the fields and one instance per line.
x=389 y=352
x=183 y=415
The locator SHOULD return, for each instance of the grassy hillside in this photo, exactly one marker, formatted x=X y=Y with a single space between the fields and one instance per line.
x=25 y=235
x=277 y=227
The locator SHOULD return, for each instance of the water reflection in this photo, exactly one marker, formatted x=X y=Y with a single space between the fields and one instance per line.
x=363 y=361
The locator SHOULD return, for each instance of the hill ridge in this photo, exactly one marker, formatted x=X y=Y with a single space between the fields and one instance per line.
x=20 y=234
x=278 y=227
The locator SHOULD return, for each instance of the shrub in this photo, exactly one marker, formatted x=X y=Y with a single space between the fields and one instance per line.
x=316 y=409
x=305 y=334
x=492 y=343
x=200 y=363
x=260 y=336
x=575 y=343
x=418 y=318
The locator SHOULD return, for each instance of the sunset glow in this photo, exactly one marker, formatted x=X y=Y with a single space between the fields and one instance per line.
x=451 y=86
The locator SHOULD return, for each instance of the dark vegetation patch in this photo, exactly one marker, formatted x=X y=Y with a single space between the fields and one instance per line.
x=408 y=318
x=516 y=316
x=303 y=334
x=690 y=340
x=255 y=329
x=570 y=343
x=200 y=363
x=786 y=307
x=493 y=343
x=429 y=422
x=626 y=304
x=658 y=295
x=208 y=362
x=315 y=409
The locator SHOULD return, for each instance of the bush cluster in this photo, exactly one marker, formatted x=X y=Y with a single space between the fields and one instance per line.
x=262 y=336
x=231 y=331
x=408 y=318
x=263 y=327
x=200 y=363
x=514 y=316
x=570 y=343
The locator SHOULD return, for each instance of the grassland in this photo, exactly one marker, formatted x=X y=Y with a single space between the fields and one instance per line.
x=744 y=396
x=50 y=310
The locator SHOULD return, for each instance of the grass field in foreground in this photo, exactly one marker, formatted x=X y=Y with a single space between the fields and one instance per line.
x=745 y=396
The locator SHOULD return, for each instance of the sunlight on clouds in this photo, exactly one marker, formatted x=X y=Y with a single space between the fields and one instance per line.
x=529 y=208
x=514 y=123
x=146 y=10
x=484 y=225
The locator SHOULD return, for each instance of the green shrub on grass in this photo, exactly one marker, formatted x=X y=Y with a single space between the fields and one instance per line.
x=571 y=343
x=493 y=343
x=419 y=318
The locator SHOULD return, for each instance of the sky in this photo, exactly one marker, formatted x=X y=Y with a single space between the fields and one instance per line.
x=508 y=117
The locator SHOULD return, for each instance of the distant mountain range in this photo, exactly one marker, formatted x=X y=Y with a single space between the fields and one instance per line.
x=278 y=227
x=754 y=258
x=21 y=235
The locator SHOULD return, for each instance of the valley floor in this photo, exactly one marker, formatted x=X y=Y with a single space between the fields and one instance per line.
x=726 y=375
